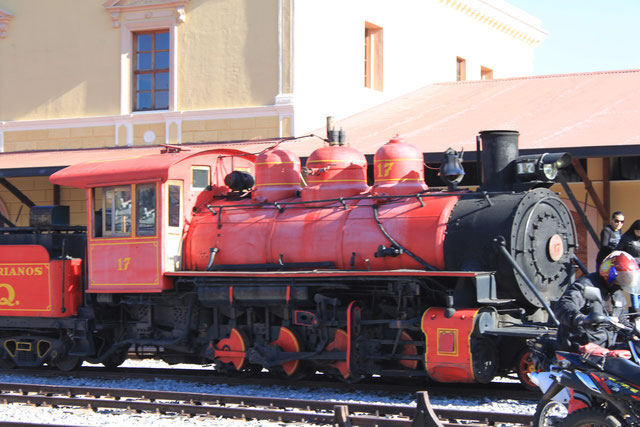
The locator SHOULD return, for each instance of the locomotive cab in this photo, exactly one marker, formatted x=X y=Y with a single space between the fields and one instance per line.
x=138 y=208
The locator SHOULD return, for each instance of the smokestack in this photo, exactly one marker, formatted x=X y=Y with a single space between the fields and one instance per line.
x=499 y=149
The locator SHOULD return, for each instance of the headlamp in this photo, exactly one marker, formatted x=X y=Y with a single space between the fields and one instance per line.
x=541 y=167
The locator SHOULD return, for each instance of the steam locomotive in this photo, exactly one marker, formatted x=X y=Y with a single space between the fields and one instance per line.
x=251 y=262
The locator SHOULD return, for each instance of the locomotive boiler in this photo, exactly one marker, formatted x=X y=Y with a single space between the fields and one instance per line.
x=252 y=261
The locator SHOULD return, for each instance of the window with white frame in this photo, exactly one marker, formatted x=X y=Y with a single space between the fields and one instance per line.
x=149 y=32
x=461 y=69
x=151 y=70
x=373 y=49
x=116 y=211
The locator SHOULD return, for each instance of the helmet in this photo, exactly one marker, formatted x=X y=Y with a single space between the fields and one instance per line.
x=621 y=269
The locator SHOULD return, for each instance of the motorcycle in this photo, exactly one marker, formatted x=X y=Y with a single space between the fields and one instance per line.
x=553 y=407
x=604 y=384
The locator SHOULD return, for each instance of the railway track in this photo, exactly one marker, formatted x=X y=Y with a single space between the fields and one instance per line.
x=495 y=390
x=254 y=408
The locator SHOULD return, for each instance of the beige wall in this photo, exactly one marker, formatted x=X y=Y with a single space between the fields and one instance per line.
x=51 y=139
x=40 y=191
x=228 y=54
x=248 y=128
x=624 y=198
x=622 y=195
x=229 y=130
x=62 y=83
x=61 y=59
x=57 y=60
x=287 y=46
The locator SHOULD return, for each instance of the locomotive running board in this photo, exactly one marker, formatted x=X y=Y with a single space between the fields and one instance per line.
x=485 y=281
x=518 y=332
x=331 y=273
x=486 y=290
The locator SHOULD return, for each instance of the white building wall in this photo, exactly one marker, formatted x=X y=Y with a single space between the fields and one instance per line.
x=422 y=39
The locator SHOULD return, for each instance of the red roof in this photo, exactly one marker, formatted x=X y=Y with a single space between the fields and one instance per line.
x=568 y=111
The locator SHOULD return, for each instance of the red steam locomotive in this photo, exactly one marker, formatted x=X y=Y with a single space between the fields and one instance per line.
x=225 y=257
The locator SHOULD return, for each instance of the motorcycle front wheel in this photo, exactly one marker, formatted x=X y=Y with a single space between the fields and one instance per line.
x=549 y=413
x=591 y=417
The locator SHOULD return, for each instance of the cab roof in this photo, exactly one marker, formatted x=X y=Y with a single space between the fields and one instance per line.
x=133 y=167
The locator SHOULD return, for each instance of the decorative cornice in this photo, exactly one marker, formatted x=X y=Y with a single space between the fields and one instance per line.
x=152 y=117
x=149 y=117
x=502 y=17
x=5 y=18
x=119 y=7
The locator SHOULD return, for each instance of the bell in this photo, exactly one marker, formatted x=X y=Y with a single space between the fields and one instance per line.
x=451 y=170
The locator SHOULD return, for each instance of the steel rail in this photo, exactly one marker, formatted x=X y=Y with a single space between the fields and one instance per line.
x=252 y=407
x=493 y=390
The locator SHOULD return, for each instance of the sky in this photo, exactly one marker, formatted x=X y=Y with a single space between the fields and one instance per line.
x=585 y=35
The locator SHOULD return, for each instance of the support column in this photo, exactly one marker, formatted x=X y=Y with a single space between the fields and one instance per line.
x=606 y=187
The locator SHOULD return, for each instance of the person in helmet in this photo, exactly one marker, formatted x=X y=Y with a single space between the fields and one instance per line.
x=630 y=243
x=618 y=272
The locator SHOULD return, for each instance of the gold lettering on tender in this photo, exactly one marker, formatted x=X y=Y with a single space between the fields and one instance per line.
x=21 y=271
x=11 y=295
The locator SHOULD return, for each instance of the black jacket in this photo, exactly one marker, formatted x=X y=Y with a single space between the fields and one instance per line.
x=631 y=245
x=573 y=306
x=609 y=240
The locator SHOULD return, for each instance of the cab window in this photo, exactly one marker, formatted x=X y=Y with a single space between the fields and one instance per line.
x=116 y=211
x=145 y=209
x=174 y=205
x=98 y=209
x=200 y=177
